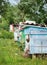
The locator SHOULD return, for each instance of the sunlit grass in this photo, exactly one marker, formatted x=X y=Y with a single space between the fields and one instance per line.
x=10 y=54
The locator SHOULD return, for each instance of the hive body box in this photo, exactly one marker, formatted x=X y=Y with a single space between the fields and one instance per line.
x=38 y=39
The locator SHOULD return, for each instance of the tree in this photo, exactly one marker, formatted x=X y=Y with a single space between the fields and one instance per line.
x=3 y=6
x=33 y=10
x=6 y=13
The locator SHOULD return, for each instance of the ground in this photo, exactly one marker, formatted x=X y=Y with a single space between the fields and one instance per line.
x=10 y=54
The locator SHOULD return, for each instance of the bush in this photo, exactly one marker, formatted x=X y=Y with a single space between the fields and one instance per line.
x=6 y=35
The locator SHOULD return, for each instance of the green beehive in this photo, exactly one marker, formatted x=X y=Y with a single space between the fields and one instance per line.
x=22 y=40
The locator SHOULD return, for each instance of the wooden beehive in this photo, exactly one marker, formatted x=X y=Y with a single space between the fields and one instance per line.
x=38 y=39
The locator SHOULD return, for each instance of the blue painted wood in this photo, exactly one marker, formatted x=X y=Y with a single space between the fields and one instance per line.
x=38 y=39
x=38 y=44
x=35 y=30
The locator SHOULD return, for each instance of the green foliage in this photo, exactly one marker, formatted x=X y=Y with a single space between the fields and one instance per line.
x=25 y=10
x=6 y=35
x=33 y=10
x=3 y=7
x=4 y=24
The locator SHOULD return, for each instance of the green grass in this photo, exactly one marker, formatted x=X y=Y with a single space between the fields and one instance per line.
x=10 y=54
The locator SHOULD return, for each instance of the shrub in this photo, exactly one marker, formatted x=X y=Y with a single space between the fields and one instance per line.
x=6 y=35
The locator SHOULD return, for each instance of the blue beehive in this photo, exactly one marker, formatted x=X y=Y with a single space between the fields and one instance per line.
x=38 y=39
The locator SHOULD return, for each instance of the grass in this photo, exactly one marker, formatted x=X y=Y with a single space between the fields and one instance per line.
x=10 y=54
